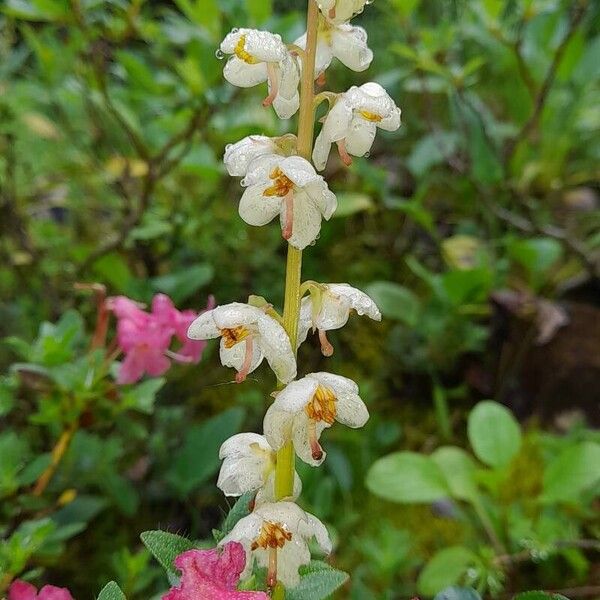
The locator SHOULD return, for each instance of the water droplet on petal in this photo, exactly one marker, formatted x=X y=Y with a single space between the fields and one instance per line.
x=219 y=54
x=367 y=154
x=236 y=29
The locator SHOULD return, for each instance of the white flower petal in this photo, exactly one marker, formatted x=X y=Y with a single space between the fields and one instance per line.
x=371 y=97
x=238 y=476
x=234 y=314
x=275 y=345
x=361 y=136
x=241 y=74
x=257 y=209
x=245 y=532
x=204 y=327
x=239 y=155
x=305 y=323
x=260 y=169
x=296 y=395
x=301 y=437
x=286 y=108
x=362 y=303
x=299 y=170
x=240 y=445
x=306 y=220
x=315 y=528
x=290 y=558
x=324 y=54
x=321 y=151
x=349 y=45
x=322 y=196
x=264 y=45
x=338 y=120
x=334 y=312
x=277 y=426
x=234 y=356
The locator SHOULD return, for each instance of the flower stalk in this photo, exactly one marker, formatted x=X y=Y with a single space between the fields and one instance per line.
x=284 y=473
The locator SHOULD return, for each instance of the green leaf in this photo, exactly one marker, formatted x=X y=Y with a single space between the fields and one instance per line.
x=180 y=285
x=407 y=477
x=238 y=511
x=166 y=547
x=395 y=301
x=493 y=433
x=317 y=581
x=444 y=569
x=350 y=203
x=459 y=470
x=539 y=596
x=259 y=10
x=13 y=456
x=198 y=459
x=458 y=593
x=142 y=396
x=574 y=470
x=536 y=255
x=111 y=591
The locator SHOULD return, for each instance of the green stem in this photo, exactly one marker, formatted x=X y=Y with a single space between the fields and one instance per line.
x=284 y=472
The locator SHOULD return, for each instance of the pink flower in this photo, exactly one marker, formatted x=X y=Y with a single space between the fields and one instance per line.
x=145 y=337
x=212 y=575
x=21 y=590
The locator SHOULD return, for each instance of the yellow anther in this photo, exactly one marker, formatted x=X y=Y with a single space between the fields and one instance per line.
x=322 y=405
x=272 y=535
x=369 y=116
x=234 y=335
x=282 y=185
x=240 y=52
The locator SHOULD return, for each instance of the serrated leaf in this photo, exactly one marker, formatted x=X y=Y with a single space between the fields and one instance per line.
x=166 y=547
x=317 y=581
x=111 y=591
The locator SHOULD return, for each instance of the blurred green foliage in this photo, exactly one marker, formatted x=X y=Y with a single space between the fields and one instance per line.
x=113 y=119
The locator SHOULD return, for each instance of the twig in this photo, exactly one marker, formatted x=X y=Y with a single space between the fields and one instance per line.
x=542 y=95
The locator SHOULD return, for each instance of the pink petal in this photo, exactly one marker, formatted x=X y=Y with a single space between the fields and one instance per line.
x=132 y=368
x=156 y=363
x=164 y=312
x=21 y=590
x=51 y=592
x=212 y=575
x=125 y=308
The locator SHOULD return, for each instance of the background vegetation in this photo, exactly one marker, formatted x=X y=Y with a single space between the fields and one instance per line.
x=476 y=227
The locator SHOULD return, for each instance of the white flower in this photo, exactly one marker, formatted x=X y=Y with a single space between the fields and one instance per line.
x=328 y=307
x=249 y=465
x=304 y=408
x=240 y=155
x=345 y=42
x=276 y=535
x=340 y=11
x=259 y=56
x=353 y=121
x=291 y=188
x=247 y=336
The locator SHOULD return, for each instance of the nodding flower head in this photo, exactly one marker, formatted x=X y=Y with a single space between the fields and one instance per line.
x=341 y=11
x=259 y=56
x=353 y=122
x=291 y=188
x=305 y=408
x=247 y=335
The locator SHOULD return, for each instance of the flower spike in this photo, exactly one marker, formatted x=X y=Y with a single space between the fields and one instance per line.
x=247 y=336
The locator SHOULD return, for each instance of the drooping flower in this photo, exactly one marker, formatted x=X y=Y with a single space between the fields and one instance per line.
x=276 y=536
x=239 y=156
x=305 y=408
x=259 y=56
x=212 y=575
x=21 y=590
x=353 y=122
x=347 y=43
x=328 y=307
x=145 y=337
x=247 y=336
x=291 y=188
x=340 y=11
x=249 y=465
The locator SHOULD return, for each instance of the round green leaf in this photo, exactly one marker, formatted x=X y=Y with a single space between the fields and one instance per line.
x=444 y=569
x=494 y=433
x=458 y=593
x=459 y=470
x=574 y=470
x=395 y=301
x=407 y=477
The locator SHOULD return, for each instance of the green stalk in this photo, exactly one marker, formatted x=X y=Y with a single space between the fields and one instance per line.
x=284 y=472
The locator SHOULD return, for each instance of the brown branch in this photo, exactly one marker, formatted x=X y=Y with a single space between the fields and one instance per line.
x=542 y=94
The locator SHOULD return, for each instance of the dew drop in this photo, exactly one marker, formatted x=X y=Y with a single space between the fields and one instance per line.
x=367 y=154
x=235 y=29
x=219 y=54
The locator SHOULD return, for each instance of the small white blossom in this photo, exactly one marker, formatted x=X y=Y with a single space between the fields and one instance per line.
x=304 y=408
x=340 y=11
x=239 y=156
x=247 y=336
x=345 y=42
x=276 y=536
x=291 y=188
x=353 y=122
x=329 y=308
x=259 y=56
x=249 y=465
